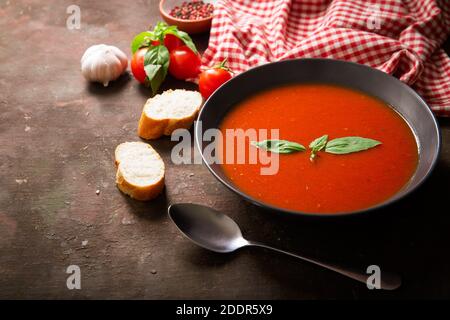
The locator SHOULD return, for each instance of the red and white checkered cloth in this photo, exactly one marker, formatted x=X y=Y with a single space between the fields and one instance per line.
x=400 y=37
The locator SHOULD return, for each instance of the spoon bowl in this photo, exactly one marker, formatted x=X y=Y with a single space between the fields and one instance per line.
x=207 y=227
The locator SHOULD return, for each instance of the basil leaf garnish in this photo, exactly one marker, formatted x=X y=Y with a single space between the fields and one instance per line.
x=160 y=29
x=151 y=70
x=156 y=55
x=279 y=146
x=156 y=64
x=350 y=144
x=143 y=39
x=317 y=145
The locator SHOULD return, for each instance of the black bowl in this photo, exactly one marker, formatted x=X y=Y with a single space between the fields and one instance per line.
x=370 y=81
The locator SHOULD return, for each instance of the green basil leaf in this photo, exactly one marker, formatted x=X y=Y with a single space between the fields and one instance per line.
x=141 y=40
x=156 y=55
x=157 y=78
x=151 y=70
x=279 y=146
x=160 y=29
x=183 y=36
x=156 y=64
x=170 y=28
x=350 y=144
x=319 y=143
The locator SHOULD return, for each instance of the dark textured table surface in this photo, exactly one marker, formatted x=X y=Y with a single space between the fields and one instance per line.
x=57 y=138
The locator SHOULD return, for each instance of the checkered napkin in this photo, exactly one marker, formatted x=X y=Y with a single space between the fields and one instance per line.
x=400 y=37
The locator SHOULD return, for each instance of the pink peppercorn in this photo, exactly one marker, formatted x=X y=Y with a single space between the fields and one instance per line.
x=192 y=10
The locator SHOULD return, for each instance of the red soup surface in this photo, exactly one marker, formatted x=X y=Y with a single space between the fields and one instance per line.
x=332 y=183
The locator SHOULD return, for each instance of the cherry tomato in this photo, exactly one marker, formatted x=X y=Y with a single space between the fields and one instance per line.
x=184 y=63
x=213 y=78
x=137 y=65
x=172 y=42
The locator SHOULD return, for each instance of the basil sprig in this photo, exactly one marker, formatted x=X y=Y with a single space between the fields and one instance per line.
x=144 y=39
x=156 y=59
x=279 y=146
x=156 y=64
x=343 y=145
x=317 y=145
x=347 y=145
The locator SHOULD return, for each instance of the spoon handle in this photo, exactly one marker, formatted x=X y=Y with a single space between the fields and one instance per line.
x=388 y=281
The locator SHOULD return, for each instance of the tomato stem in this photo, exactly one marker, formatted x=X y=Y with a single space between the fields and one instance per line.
x=223 y=65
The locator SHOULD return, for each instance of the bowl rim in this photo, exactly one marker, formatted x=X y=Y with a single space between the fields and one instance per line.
x=394 y=198
x=167 y=15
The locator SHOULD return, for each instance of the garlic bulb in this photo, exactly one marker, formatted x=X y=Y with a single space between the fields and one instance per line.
x=103 y=63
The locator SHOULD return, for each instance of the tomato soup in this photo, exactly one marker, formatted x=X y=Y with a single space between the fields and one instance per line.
x=332 y=183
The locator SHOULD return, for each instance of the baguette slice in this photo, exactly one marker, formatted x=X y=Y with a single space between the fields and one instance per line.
x=140 y=170
x=166 y=112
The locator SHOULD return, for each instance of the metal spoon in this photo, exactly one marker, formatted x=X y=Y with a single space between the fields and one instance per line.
x=217 y=232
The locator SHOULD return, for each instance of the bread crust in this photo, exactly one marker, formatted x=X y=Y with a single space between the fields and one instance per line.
x=150 y=128
x=137 y=192
x=142 y=193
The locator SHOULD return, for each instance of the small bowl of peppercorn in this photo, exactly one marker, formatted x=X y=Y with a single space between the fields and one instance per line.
x=191 y=16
